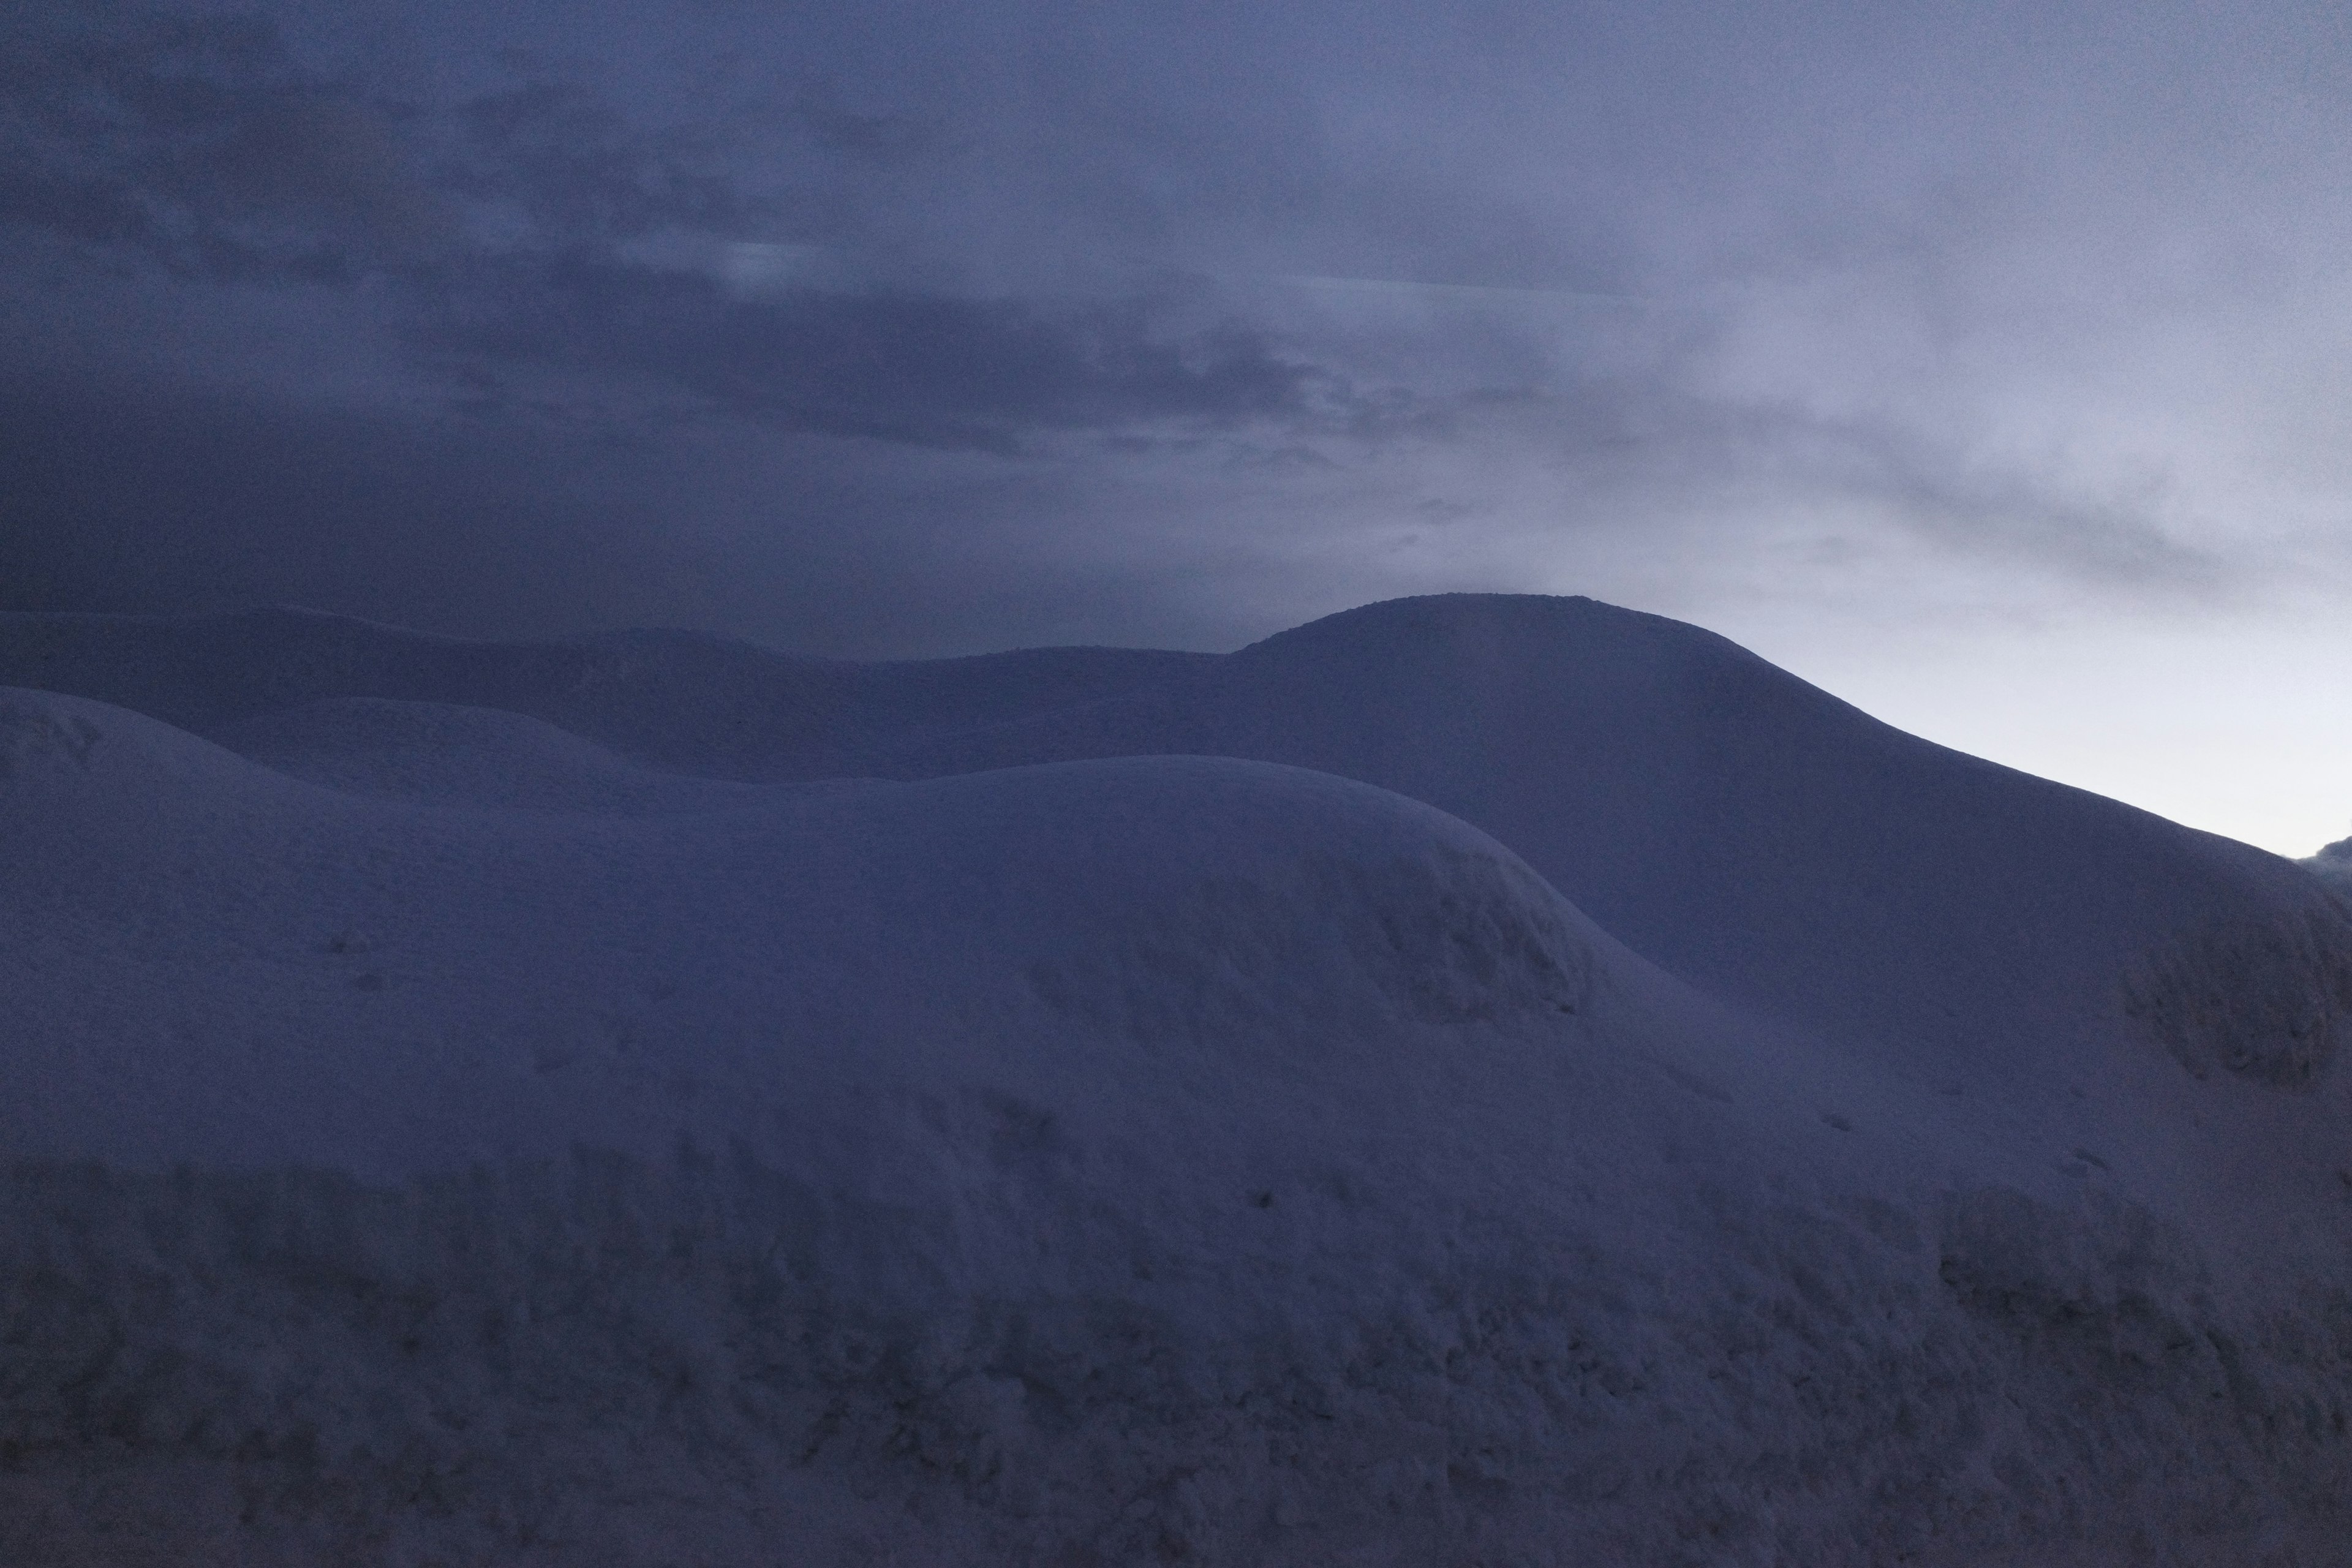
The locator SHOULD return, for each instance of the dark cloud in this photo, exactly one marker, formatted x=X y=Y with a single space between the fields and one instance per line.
x=196 y=141
x=819 y=109
x=138 y=498
x=132 y=498
x=200 y=141
x=1179 y=309
x=903 y=367
x=579 y=174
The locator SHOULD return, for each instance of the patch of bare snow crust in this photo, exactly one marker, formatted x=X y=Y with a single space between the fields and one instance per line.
x=1470 y=1082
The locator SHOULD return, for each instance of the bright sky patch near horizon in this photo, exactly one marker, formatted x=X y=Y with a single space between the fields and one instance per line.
x=1988 y=367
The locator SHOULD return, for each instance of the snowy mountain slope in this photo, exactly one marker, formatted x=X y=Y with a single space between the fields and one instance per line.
x=454 y=1141
x=2333 y=865
x=476 y=756
x=1239 y=1066
x=1753 y=834
x=671 y=698
x=1745 y=830
x=462 y=962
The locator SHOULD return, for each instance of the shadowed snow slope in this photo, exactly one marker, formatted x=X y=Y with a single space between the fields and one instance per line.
x=458 y=755
x=651 y=1100
x=2333 y=865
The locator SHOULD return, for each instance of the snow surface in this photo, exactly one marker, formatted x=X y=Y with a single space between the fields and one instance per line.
x=2333 y=865
x=1475 y=1080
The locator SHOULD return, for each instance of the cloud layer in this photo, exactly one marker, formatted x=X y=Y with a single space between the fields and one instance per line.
x=918 y=327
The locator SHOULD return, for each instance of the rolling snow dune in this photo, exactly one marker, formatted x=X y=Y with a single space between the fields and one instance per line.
x=1741 y=828
x=649 y=1101
x=471 y=756
x=1753 y=834
x=673 y=697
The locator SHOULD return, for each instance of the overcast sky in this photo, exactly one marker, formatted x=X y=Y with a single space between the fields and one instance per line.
x=1988 y=364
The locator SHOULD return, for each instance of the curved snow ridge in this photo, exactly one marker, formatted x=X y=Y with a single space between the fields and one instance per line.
x=1749 y=833
x=453 y=754
x=38 y=732
x=1746 y=831
x=675 y=699
x=83 y=755
x=211 y=961
x=1742 y=829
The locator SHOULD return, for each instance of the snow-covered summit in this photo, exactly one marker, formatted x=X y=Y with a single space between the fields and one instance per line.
x=1743 y=828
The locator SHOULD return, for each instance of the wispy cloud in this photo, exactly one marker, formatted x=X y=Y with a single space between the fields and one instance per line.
x=927 y=369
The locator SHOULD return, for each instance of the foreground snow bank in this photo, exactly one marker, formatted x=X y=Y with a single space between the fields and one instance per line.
x=598 y=1360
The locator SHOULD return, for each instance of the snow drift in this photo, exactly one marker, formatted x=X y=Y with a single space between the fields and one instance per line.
x=2333 y=865
x=1471 y=1080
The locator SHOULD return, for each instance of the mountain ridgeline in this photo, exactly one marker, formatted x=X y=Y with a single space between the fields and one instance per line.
x=1743 y=830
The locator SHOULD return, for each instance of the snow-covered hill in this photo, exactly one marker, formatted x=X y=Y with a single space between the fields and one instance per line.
x=1470 y=1080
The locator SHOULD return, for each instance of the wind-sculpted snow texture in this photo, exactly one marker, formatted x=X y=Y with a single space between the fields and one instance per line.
x=1474 y=1081
x=2333 y=865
